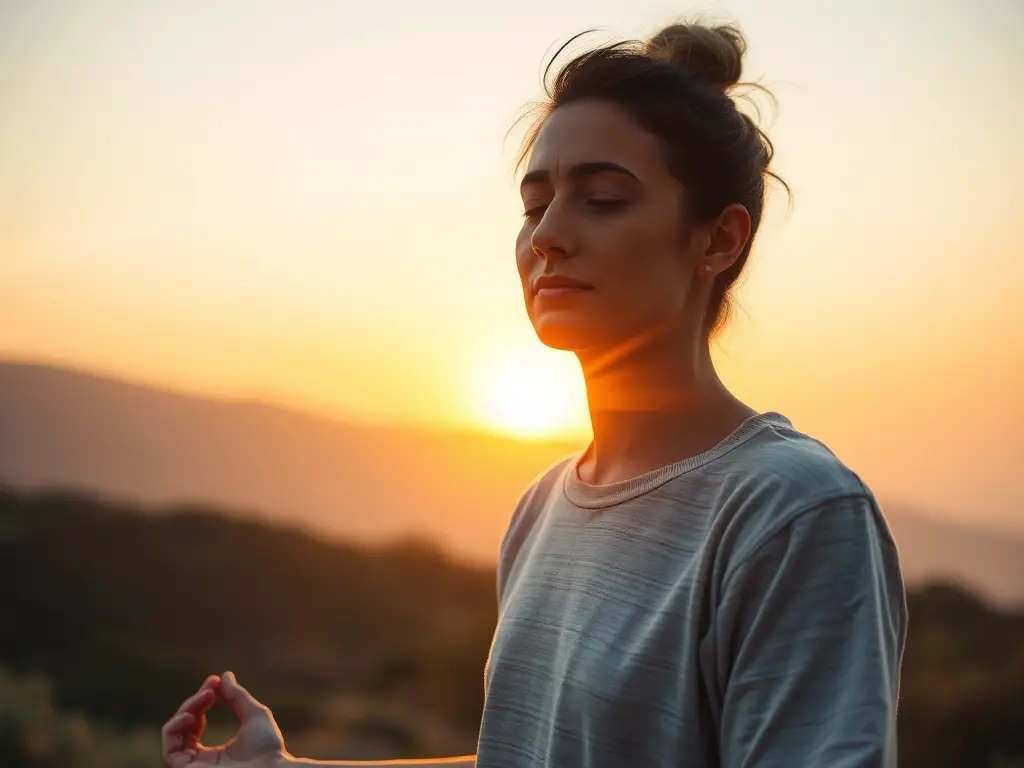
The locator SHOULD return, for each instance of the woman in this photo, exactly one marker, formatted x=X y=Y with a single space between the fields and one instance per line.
x=704 y=585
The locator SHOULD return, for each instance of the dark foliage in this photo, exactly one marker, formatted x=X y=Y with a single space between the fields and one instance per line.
x=125 y=613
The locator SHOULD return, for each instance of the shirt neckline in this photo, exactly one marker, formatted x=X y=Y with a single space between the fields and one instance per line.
x=590 y=496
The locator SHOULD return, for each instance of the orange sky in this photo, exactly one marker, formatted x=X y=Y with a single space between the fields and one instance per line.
x=316 y=205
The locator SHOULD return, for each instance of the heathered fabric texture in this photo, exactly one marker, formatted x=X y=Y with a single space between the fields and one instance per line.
x=744 y=607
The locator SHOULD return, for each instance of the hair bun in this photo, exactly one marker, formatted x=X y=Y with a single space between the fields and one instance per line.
x=713 y=54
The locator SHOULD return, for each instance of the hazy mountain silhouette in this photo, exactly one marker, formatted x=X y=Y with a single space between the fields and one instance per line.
x=60 y=427
x=370 y=483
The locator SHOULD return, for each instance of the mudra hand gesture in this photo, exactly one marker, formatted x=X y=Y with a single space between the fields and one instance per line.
x=258 y=743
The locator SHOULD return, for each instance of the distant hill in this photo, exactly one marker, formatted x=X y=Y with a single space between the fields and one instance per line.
x=59 y=427
x=367 y=483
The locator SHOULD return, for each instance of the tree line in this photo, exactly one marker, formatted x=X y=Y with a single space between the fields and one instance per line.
x=112 y=614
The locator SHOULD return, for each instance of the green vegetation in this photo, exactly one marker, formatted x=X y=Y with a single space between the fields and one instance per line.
x=112 y=615
x=34 y=735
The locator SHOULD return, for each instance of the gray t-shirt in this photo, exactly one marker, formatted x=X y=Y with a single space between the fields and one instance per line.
x=744 y=607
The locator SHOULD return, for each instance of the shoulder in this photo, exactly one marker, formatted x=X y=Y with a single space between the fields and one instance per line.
x=531 y=503
x=781 y=462
x=780 y=475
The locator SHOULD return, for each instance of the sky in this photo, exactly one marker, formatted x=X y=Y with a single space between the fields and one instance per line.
x=314 y=203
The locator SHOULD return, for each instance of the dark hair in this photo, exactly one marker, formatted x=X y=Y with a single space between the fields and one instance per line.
x=677 y=86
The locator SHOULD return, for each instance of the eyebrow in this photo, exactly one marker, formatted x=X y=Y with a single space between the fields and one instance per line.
x=577 y=172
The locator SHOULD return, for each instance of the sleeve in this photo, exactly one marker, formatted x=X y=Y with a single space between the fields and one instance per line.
x=814 y=622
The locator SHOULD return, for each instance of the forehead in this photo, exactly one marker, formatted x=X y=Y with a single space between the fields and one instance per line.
x=591 y=131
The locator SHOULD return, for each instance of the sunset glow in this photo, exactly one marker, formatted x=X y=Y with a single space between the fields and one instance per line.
x=530 y=396
x=261 y=199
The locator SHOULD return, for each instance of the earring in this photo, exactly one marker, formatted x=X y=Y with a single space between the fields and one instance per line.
x=706 y=269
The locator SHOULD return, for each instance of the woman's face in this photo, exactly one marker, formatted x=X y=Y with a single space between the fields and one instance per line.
x=604 y=256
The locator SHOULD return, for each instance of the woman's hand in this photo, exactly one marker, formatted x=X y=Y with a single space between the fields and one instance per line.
x=258 y=743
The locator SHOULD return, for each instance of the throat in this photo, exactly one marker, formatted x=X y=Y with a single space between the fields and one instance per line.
x=653 y=402
x=627 y=445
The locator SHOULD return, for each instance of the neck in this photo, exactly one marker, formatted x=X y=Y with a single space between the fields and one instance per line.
x=652 y=406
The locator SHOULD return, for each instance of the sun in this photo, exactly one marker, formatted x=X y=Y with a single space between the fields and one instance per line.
x=532 y=396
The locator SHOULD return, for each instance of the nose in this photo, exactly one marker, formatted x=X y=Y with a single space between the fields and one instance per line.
x=550 y=239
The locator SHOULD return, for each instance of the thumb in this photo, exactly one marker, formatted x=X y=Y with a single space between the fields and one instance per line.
x=241 y=700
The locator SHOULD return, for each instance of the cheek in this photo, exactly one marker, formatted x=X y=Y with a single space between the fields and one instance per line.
x=645 y=262
x=643 y=272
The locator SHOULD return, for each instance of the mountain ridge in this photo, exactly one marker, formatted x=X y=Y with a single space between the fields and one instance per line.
x=82 y=430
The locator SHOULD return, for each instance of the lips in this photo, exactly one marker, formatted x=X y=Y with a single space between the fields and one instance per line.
x=558 y=285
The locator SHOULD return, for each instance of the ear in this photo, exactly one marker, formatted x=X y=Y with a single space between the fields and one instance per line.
x=727 y=236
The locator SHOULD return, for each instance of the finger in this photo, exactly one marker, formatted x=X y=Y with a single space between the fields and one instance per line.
x=178 y=724
x=243 y=702
x=177 y=736
x=184 y=759
x=211 y=682
x=199 y=702
x=185 y=727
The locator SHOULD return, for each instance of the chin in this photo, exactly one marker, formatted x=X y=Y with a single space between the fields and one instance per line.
x=565 y=333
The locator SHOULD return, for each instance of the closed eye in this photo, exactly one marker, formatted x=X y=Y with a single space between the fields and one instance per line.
x=604 y=205
x=534 y=213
